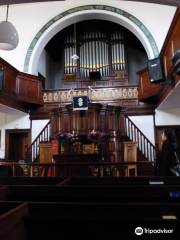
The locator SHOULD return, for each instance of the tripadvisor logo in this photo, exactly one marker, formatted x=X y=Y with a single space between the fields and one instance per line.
x=139 y=231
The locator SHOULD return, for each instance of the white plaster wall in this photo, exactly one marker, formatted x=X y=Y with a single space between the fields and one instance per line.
x=29 y=19
x=146 y=125
x=14 y=119
x=167 y=117
x=11 y=119
x=37 y=126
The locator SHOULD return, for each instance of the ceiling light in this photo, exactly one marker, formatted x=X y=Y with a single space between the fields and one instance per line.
x=8 y=34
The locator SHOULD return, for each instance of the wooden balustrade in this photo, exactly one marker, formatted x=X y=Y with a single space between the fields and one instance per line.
x=65 y=169
x=143 y=143
x=32 y=153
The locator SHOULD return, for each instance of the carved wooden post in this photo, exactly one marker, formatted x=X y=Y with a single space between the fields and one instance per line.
x=53 y=125
x=122 y=122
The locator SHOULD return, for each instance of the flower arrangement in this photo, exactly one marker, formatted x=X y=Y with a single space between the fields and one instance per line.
x=93 y=136
x=97 y=137
x=65 y=137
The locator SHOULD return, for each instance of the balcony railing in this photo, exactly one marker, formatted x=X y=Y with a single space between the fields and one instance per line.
x=94 y=94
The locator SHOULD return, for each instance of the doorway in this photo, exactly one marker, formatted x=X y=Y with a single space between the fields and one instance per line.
x=17 y=142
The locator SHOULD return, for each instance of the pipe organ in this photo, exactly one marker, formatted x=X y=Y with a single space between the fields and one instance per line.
x=118 y=51
x=99 y=51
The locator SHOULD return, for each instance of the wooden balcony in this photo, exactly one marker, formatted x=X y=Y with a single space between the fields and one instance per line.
x=147 y=90
x=18 y=90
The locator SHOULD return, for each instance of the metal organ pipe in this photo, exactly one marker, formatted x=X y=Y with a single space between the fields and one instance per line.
x=95 y=49
x=100 y=59
x=89 y=52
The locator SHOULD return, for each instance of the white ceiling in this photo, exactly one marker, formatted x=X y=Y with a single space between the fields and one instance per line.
x=172 y=100
x=6 y=109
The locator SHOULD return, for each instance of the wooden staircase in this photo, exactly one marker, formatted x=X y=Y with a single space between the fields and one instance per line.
x=32 y=153
x=146 y=150
x=145 y=147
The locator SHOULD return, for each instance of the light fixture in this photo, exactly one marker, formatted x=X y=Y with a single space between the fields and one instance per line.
x=8 y=34
x=75 y=57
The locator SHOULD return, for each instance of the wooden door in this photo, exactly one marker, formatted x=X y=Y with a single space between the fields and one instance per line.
x=17 y=141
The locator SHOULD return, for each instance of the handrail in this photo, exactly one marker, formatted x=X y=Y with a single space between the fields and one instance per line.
x=32 y=152
x=144 y=144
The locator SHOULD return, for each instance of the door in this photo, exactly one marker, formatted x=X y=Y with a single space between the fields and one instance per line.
x=17 y=142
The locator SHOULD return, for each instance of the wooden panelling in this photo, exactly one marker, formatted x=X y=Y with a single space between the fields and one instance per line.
x=19 y=90
x=130 y=151
x=82 y=121
x=172 y=44
x=10 y=73
x=146 y=88
x=29 y=88
x=45 y=152
x=10 y=81
x=109 y=126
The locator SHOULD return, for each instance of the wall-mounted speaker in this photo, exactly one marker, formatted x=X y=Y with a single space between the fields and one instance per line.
x=156 y=70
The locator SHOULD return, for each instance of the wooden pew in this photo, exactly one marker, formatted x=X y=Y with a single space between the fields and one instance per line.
x=122 y=193
x=12 y=217
x=4 y=191
x=118 y=210
x=105 y=181
x=30 y=180
x=97 y=220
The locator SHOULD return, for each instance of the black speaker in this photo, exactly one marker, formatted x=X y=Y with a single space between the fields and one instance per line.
x=156 y=70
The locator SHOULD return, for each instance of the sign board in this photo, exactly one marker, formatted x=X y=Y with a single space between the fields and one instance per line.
x=80 y=103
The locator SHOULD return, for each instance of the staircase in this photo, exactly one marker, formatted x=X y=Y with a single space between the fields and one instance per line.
x=32 y=153
x=146 y=150
x=145 y=147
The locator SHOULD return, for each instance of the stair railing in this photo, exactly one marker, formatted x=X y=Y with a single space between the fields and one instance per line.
x=44 y=136
x=144 y=145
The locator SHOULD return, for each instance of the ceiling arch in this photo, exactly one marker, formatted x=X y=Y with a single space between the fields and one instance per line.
x=85 y=12
x=165 y=2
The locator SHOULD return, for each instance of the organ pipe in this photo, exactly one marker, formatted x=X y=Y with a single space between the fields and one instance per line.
x=98 y=51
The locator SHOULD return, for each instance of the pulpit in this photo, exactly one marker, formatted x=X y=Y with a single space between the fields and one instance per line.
x=88 y=136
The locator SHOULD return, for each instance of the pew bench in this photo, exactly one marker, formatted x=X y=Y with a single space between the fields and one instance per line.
x=30 y=180
x=113 y=181
x=12 y=217
x=97 y=220
x=122 y=193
